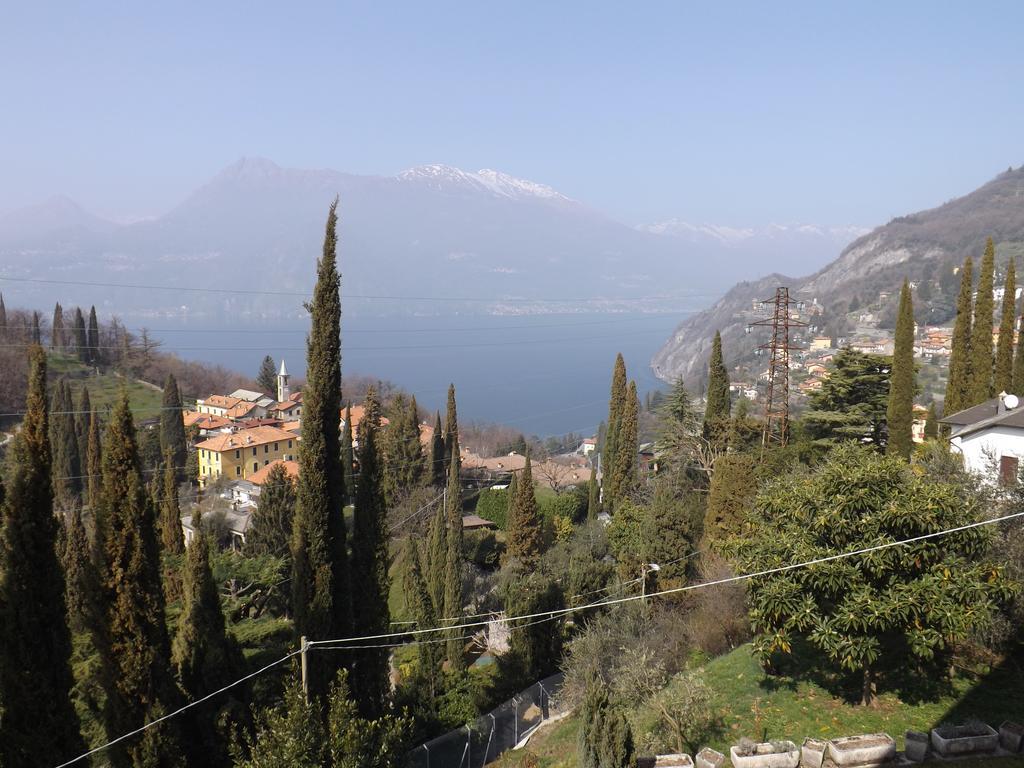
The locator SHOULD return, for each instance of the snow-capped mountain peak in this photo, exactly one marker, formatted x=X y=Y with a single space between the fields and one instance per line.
x=448 y=178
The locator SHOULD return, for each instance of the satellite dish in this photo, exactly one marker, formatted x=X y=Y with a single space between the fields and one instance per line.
x=1011 y=402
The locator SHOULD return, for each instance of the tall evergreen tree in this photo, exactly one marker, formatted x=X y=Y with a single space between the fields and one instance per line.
x=39 y=725
x=81 y=338
x=274 y=518
x=616 y=405
x=1004 y=347
x=203 y=654
x=437 y=462
x=370 y=615
x=82 y=587
x=900 y=412
x=171 y=537
x=94 y=469
x=83 y=413
x=320 y=581
x=172 y=428
x=137 y=669
x=982 y=363
x=67 y=468
x=93 y=337
x=348 y=459
x=3 y=318
x=57 y=328
x=593 y=494
x=451 y=429
x=436 y=557
x=525 y=535
x=37 y=337
x=453 y=547
x=716 y=412
x=931 y=423
x=1017 y=383
x=403 y=469
x=622 y=474
x=422 y=607
x=959 y=381
x=266 y=377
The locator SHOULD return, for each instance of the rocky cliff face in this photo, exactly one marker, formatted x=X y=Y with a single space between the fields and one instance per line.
x=924 y=246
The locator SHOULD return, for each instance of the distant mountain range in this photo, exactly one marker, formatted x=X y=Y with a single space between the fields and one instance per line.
x=434 y=230
x=924 y=246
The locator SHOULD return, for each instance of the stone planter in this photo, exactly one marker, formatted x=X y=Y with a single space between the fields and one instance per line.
x=869 y=749
x=812 y=753
x=1011 y=735
x=673 y=761
x=709 y=758
x=915 y=746
x=770 y=754
x=953 y=740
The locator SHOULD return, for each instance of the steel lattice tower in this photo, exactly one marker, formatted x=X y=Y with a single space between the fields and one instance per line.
x=776 y=408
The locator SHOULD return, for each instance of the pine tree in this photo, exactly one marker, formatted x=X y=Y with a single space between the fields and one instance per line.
x=453 y=549
x=320 y=583
x=172 y=428
x=370 y=582
x=616 y=405
x=57 y=328
x=959 y=381
x=80 y=338
x=593 y=494
x=437 y=462
x=272 y=522
x=525 y=536
x=900 y=412
x=266 y=377
x=67 y=468
x=39 y=725
x=1004 y=347
x=348 y=458
x=83 y=413
x=1017 y=383
x=982 y=363
x=931 y=423
x=137 y=671
x=716 y=412
x=203 y=655
x=93 y=337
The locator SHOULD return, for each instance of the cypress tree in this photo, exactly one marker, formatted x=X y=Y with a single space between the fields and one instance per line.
x=172 y=428
x=453 y=547
x=57 y=329
x=931 y=423
x=525 y=535
x=81 y=340
x=39 y=725
x=437 y=454
x=67 y=468
x=171 y=536
x=1004 y=347
x=716 y=412
x=982 y=363
x=622 y=474
x=900 y=412
x=137 y=669
x=593 y=494
x=348 y=458
x=203 y=655
x=370 y=582
x=437 y=553
x=1017 y=383
x=83 y=413
x=93 y=337
x=82 y=587
x=3 y=318
x=320 y=588
x=451 y=428
x=413 y=446
x=417 y=597
x=959 y=380
x=275 y=514
x=616 y=404
x=266 y=377
x=36 y=335
x=403 y=469
x=94 y=469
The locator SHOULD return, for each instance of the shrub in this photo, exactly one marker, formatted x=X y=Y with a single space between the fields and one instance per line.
x=492 y=504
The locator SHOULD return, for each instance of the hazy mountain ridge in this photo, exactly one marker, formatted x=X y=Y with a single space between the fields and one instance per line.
x=920 y=245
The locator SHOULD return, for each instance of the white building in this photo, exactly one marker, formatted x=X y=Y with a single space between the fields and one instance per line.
x=990 y=437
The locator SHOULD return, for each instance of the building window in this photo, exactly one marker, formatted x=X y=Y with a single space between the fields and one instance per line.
x=289 y=443
x=1008 y=470
x=255 y=466
x=265 y=462
x=266 y=448
x=254 y=450
x=238 y=454
x=275 y=447
x=238 y=471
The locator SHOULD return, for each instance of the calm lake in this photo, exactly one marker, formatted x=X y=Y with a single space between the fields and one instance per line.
x=543 y=374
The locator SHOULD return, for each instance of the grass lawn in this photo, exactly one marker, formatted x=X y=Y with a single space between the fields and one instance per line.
x=104 y=388
x=751 y=704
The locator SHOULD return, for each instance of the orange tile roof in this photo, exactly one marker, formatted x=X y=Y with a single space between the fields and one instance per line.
x=245 y=438
x=221 y=401
x=292 y=426
x=285 y=405
x=241 y=409
x=358 y=411
x=204 y=420
x=260 y=476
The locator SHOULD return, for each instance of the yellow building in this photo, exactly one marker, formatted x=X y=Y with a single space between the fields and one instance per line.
x=240 y=454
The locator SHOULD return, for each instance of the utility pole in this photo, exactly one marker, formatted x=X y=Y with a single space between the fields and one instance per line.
x=776 y=408
x=304 y=650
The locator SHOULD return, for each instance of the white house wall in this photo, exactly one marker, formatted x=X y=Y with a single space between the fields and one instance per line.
x=982 y=448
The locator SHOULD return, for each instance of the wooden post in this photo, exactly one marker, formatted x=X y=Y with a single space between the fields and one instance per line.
x=304 y=648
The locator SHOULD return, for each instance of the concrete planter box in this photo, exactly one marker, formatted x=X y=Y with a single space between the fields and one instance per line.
x=915 y=746
x=869 y=749
x=709 y=758
x=1011 y=735
x=673 y=761
x=953 y=740
x=812 y=753
x=770 y=754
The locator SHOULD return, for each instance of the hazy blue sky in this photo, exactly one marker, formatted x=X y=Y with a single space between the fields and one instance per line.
x=736 y=114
